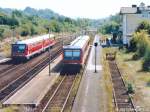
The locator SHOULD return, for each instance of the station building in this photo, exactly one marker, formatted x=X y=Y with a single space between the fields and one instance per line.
x=131 y=17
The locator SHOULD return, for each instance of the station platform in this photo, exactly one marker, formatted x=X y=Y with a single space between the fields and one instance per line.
x=3 y=60
x=34 y=91
x=89 y=93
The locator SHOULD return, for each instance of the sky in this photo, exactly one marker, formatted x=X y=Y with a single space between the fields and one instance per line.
x=93 y=9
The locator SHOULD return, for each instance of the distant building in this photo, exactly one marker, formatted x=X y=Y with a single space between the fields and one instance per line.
x=131 y=17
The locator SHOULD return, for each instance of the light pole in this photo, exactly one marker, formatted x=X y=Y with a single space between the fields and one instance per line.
x=13 y=34
x=95 y=44
x=49 y=54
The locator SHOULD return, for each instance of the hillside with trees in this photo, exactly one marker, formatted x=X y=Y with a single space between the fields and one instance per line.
x=34 y=22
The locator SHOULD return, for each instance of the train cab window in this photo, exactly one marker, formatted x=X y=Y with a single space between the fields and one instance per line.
x=76 y=53
x=68 y=53
x=19 y=48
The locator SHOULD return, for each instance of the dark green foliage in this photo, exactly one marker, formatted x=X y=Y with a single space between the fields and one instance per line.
x=144 y=25
x=148 y=83
x=1 y=32
x=6 y=20
x=146 y=62
x=109 y=28
x=130 y=88
x=140 y=41
x=17 y=13
x=55 y=26
x=33 y=22
x=140 y=44
x=132 y=46
x=111 y=25
x=34 y=31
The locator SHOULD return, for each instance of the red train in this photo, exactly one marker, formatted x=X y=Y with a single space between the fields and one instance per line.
x=75 y=52
x=28 y=48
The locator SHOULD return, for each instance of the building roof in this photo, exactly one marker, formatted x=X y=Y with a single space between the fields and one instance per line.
x=35 y=39
x=78 y=43
x=128 y=10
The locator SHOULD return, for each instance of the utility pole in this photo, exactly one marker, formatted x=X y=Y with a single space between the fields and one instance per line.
x=49 y=54
x=62 y=37
x=13 y=34
x=95 y=44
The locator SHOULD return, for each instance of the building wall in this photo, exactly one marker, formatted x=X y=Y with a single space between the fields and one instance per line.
x=130 y=24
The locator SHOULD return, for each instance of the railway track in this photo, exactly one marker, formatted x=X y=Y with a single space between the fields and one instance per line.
x=7 y=66
x=122 y=100
x=11 y=65
x=57 y=97
x=12 y=87
x=12 y=74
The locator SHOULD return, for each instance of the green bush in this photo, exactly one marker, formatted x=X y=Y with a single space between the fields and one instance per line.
x=148 y=83
x=132 y=47
x=139 y=42
x=130 y=88
x=146 y=61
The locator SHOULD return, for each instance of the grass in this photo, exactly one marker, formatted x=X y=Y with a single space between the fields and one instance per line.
x=6 y=49
x=73 y=93
x=10 y=109
x=107 y=80
x=132 y=73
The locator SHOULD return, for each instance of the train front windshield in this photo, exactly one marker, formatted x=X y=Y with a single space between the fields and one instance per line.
x=72 y=54
x=18 y=48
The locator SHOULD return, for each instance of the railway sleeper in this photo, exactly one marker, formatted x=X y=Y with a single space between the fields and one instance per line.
x=115 y=75
x=20 y=105
x=124 y=105
x=123 y=93
x=122 y=96
x=126 y=109
x=120 y=87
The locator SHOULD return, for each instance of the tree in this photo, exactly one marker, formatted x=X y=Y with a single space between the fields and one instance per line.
x=55 y=26
x=1 y=32
x=109 y=28
x=16 y=13
x=25 y=30
x=33 y=30
x=144 y=25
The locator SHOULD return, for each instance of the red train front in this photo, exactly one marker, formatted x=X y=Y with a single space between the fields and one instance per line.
x=75 y=52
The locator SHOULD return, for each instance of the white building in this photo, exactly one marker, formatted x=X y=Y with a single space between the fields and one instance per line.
x=132 y=16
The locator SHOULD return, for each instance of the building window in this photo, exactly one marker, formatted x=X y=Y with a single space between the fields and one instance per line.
x=145 y=15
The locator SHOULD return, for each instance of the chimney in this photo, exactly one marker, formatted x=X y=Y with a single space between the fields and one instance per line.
x=133 y=6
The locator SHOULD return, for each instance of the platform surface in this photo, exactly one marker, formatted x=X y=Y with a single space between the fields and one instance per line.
x=3 y=60
x=89 y=93
x=35 y=90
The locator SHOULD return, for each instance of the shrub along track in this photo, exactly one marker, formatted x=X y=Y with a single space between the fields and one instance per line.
x=122 y=100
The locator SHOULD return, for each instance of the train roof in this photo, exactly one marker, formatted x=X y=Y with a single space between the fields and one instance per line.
x=35 y=39
x=78 y=43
